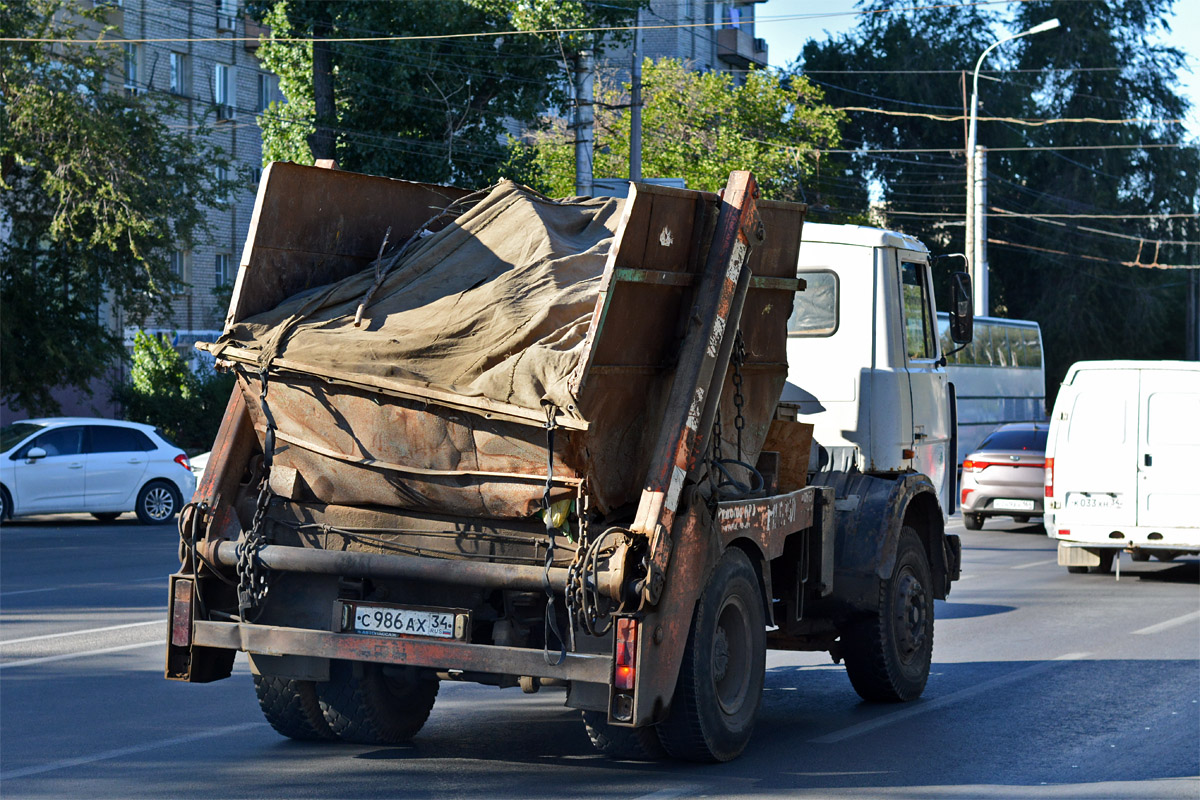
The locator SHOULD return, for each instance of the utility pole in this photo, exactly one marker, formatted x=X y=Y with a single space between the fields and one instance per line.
x=585 y=78
x=635 y=104
x=983 y=300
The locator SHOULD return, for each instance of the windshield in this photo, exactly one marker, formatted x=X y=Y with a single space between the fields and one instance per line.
x=12 y=435
x=1015 y=440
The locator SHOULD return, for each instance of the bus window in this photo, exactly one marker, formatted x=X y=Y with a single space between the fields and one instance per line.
x=815 y=310
x=1000 y=346
x=1033 y=348
x=1016 y=343
x=947 y=344
x=981 y=345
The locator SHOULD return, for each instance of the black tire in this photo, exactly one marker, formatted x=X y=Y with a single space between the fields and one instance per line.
x=973 y=522
x=1021 y=519
x=629 y=744
x=363 y=705
x=5 y=504
x=106 y=516
x=1140 y=555
x=158 y=502
x=1077 y=570
x=889 y=653
x=292 y=708
x=724 y=667
x=1106 y=562
x=1168 y=556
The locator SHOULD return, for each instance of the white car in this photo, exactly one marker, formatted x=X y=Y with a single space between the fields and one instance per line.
x=99 y=466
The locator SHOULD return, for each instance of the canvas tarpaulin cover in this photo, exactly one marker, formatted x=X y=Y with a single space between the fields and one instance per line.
x=496 y=305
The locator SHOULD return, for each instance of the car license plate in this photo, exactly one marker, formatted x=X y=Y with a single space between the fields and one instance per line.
x=1013 y=505
x=1080 y=500
x=384 y=620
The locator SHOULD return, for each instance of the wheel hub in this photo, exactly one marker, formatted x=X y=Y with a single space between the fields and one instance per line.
x=158 y=503
x=910 y=616
x=720 y=654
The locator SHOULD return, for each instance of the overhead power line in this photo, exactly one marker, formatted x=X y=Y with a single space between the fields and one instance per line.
x=1033 y=123
x=1130 y=237
x=1045 y=216
x=1052 y=251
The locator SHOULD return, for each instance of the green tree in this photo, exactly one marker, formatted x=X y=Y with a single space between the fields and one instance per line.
x=95 y=192
x=699 y=126
x=429 y=109
x=1105 y=63
x=163 y=391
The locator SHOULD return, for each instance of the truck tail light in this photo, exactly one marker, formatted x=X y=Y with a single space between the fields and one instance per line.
x=1049 y=477
x=181 y=613
x=182 y=460
x=626 y=666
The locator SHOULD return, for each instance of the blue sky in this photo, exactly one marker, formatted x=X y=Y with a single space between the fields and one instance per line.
x=825 y=17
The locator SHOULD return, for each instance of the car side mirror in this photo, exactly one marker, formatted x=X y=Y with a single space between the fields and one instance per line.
x=962 y=309
x=34 y=453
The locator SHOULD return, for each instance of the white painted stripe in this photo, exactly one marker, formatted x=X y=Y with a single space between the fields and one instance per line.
x=127 y=751
x=668 y=794
x=26 y=591
x=28 y=662
x=1171 y=623
x=162 y=621
x=671 y=501
x=1036 y=564
x=921 y=707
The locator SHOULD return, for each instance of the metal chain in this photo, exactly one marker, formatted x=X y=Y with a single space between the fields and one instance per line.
x=739 y=401
x=252 y=573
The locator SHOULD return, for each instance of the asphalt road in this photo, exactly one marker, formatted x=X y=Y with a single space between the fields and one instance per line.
x=1044 y=685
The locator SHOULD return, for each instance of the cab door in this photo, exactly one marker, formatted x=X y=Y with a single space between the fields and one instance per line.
x=926 y=377
x=1168 y=492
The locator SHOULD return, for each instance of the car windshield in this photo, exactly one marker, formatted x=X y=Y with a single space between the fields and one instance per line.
x=12 y=435
x=1015 y=440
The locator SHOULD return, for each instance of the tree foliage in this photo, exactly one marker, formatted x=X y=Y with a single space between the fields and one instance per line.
x=429 y=109
x=1105 y=62
x=699 y=126
x=163 y=391
x=95 y=193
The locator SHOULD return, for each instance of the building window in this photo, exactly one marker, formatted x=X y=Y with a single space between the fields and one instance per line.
x=180 y=264
x=268 y=91
x=223 y=276
x=224 y=91
x=133 y=57
x=180 y=74
x=226 y=15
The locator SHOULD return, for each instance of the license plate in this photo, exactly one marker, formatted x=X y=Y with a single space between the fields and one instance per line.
x=1078 y=500
x=383 y=620
x=1013 y=505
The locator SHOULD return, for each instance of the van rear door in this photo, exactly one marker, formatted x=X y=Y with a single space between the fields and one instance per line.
x=1097 y=441
x=1169 y=449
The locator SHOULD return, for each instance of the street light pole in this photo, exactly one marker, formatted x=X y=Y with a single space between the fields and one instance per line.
x=976 y=245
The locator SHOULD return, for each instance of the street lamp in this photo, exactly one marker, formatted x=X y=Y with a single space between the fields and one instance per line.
x=976 y=245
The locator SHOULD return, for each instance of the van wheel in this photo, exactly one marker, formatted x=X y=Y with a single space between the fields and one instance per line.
x=973 y=522
x=633 y=744
x=724 y=667
x=1106 y=562
x=5 y=504
x=292 y=708
x=363 y=705
x=157 y=503
x=1077 y=570
x=889 y=653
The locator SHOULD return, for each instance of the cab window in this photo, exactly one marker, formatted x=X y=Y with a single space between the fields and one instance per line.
x=815 y=310
x=918 y=319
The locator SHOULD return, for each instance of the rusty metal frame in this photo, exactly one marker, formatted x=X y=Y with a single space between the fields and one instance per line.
x=437 y=654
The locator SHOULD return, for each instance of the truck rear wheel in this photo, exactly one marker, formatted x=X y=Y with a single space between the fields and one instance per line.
x=292 y=708
x=633 y=744
x=361 y=704
x=724 y=666
x=889 y=653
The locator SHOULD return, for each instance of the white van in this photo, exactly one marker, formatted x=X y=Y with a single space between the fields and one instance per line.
x=1123 y=463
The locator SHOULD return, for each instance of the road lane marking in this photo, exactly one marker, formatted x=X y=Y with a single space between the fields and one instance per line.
x=162 y=621
x=668 y=794
x=1036 y=563
x=127 y=751
x=25 y=591
x=86 y=586
x=1171 y=623
x=941 y=702
x=65 y=656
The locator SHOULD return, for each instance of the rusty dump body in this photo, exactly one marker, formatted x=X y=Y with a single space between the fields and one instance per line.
x=377 y=490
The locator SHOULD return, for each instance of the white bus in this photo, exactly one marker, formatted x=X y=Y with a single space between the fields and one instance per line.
x=1000 y=377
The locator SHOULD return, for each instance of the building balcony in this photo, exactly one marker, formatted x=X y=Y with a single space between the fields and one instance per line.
x=741 y=50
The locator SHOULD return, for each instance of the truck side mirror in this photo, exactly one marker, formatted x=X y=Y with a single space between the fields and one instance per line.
x=962 y=309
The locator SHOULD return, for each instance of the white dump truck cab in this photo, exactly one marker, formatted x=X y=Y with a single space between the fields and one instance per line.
x=880 y=402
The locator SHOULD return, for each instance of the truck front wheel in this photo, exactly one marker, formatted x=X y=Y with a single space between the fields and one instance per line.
x=724 y=666
x=364 y=705
x=292 y=708
x=888 y=654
